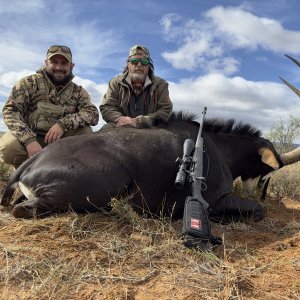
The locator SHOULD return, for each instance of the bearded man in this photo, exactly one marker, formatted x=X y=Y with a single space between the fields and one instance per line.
x=137 y=98
x=45 y=107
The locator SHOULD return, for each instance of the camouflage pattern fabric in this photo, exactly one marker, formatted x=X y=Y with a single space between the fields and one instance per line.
x=22 y=102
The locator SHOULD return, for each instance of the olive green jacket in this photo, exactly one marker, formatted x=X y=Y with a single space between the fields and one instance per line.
x=115 y=101
x=22 y=102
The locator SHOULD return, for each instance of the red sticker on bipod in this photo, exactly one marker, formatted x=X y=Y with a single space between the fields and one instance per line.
x=195 y=223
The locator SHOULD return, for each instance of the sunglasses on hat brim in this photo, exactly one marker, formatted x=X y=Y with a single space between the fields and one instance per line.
x=63 y=49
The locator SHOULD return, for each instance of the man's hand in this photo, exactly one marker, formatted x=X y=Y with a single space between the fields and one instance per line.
x=124 y=121
x=33 y=148
x=54 y=134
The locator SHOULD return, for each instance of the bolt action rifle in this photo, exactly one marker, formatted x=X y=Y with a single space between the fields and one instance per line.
x=196 y=228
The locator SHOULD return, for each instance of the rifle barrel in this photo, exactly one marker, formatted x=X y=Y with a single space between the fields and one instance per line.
x=201 y=126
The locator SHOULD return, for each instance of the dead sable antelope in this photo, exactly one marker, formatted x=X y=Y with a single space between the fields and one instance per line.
x=84 y=172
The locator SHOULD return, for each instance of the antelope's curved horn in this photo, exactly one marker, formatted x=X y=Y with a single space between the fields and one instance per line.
x=295 y=90
x=294 y=155
x=290 y=157
x=293 y=59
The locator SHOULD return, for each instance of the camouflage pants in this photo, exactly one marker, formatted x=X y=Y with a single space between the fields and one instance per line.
x=14 y=153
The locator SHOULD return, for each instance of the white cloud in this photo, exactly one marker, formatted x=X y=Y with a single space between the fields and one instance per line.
x=242 y=29
x=258 y=103
x=28 y=28
x=209 y=43
x=20 y=6
x=219 y=31
x=167 y=22
x=9 y=79
x=196 y=43
x=95 y=90
x=26 y=37
x=15 y=56
x=229 y=65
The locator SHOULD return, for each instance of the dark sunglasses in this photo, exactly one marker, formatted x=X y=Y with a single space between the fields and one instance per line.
x=143 y=61
x=55 y=48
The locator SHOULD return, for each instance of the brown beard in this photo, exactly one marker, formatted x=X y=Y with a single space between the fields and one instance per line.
x=63 y=81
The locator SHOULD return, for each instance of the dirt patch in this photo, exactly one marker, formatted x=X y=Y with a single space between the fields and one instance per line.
x=104 y=256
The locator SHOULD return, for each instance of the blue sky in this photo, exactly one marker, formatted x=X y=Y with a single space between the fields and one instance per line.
x=226 y=55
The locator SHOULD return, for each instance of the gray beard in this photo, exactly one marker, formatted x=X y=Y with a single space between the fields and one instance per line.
x=138 y=77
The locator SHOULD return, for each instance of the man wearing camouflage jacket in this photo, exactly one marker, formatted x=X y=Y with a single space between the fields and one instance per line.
x=137 y=98
x=44 y=107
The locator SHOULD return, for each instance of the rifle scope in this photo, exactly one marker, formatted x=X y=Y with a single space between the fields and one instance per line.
x=184 y=163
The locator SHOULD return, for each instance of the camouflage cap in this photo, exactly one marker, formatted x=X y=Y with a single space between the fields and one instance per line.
x=60 y=50
x=133 y=50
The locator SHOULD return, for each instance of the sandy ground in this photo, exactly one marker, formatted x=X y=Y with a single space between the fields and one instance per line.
x=100 y=256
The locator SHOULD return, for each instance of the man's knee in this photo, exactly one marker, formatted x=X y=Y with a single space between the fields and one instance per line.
x=12 y=152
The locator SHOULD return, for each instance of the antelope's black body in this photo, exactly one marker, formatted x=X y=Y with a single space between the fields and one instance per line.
x=85 y=172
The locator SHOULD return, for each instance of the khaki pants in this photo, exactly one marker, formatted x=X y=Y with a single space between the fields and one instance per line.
x=14 y=153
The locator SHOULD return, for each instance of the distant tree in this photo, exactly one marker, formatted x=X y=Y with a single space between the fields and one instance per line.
x=283 y=134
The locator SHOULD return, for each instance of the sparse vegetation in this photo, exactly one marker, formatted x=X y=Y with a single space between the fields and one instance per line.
x=286 y=182
x=123 y=255
x=245 y=190
x=283 y=134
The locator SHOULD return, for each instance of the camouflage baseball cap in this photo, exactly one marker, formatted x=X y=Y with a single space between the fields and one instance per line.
x=59 y=50
x=133 y=50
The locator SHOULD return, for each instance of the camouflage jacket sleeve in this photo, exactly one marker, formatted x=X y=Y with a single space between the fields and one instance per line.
x=87 y=113
x=15 y=111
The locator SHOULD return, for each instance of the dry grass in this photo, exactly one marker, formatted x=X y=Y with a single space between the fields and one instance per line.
x=121 y=255
x=286 y=182
x=65 y=257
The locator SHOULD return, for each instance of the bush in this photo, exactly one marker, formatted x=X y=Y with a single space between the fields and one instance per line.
x=284 y=133
x=285 y=182
x=245 y=190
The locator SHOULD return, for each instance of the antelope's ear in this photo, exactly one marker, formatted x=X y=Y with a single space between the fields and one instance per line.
x=268 y=157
